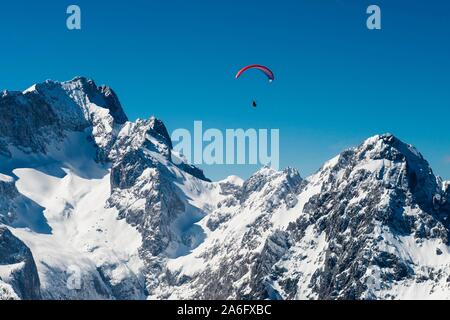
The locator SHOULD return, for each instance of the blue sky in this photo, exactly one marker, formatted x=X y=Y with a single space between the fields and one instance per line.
x=337 y=83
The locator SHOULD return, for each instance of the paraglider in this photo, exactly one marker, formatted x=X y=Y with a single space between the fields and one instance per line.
x=261 y=68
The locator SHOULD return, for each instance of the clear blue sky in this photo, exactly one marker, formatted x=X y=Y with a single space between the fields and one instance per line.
x=337 y=82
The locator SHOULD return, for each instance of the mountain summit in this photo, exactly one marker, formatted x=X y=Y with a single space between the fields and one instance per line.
x=92 y=206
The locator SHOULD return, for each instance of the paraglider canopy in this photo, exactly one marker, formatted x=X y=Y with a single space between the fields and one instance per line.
x=263 y=69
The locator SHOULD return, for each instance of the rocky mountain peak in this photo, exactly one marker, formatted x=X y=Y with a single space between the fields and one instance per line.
x=386 y=159
x=371 y=197
x=84 y=91
x=46 y=112
x=388 y=147
x=159 y=130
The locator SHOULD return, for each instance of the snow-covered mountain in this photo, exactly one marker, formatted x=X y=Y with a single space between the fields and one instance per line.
x=93 y=206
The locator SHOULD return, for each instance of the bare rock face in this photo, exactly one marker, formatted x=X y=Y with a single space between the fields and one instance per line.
x=26 y=121
x=8 y=193
x=17 y=268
